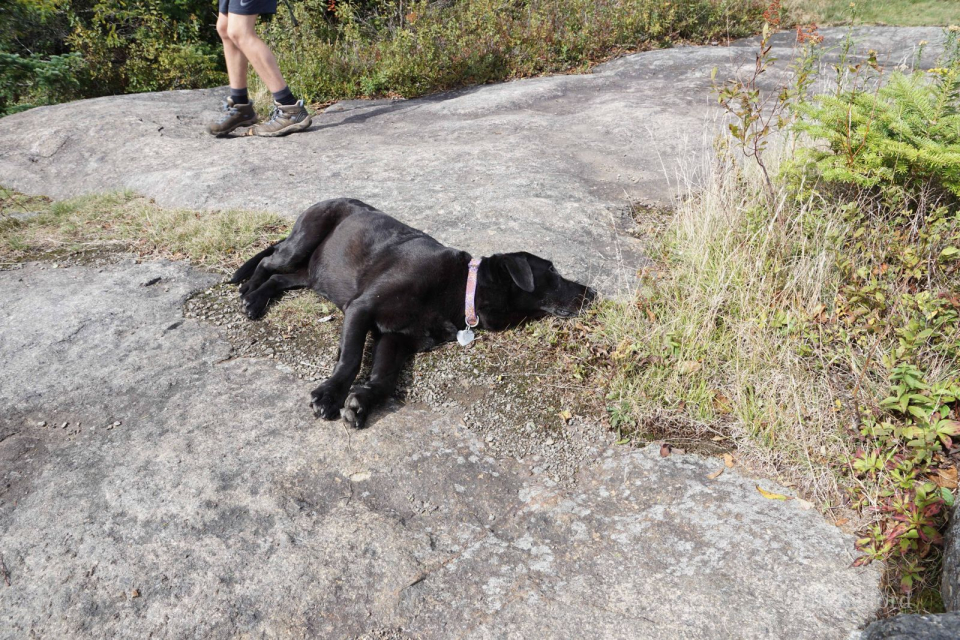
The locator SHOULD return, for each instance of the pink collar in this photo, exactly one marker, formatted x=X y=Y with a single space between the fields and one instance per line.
x=469 y=311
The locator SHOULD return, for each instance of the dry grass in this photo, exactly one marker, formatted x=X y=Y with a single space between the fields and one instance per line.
x=750 y=330
x=713 y=336
x=31 y=226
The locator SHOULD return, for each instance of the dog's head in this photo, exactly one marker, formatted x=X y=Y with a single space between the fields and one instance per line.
x=514 y=287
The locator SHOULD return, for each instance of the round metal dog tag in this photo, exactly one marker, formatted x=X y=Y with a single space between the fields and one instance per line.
x=465 y=336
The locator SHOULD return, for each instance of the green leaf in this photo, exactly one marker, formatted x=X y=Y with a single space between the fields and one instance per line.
x=949 y=253
x=947 y=496
x=914 y=383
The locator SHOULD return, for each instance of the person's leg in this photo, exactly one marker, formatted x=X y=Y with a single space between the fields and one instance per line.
x=237 y=64
x=289 y=115
x=241 y=32
x=237 y=110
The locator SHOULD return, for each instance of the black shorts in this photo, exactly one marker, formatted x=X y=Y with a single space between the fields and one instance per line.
x=248 y=7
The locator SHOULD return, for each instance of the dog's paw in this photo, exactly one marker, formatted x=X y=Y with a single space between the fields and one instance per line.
x=356 y=408
x=326 y=402
x=255 y=307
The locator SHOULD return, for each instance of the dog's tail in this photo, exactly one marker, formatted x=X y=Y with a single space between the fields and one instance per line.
x=244 y=272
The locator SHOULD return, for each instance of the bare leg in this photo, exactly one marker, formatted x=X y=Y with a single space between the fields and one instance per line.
x=240 y=30
x=236 y=61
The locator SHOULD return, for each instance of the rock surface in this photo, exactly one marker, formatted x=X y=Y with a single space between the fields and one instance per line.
x=944 y=626
x=153 y=486
x=546 y=165
x=950 y=588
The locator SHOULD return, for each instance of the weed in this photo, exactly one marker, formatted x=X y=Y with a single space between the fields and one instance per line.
x=811 y=312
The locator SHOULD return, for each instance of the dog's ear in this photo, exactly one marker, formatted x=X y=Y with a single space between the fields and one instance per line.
x=520 y=271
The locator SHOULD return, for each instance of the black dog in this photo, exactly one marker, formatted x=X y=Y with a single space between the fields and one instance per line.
x=401 y=284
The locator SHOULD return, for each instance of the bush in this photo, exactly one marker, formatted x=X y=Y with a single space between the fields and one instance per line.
x=902 y=140
x=56 y=50
x=812 y=315
x=391 y=49
x=346 y=49
x=154 y=45
x=31 y=81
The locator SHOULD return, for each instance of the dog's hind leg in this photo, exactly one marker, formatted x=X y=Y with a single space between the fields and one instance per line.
x=250 y=265
x=255 y=302
x=327 y=399
x=390 y=352
x=293 y=253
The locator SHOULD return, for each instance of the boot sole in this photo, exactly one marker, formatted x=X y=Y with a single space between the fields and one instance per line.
x=298 y=126
x=245 y=123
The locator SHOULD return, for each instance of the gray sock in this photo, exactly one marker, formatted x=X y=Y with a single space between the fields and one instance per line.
x=239 y=96
x=285 y=97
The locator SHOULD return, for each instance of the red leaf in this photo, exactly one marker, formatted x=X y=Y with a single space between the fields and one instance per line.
x=895 y=532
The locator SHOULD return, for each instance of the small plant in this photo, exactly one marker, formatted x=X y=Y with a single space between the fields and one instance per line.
x=902 y=140
x=757 y=115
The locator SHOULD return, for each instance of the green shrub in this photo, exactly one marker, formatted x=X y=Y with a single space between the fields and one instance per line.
x=903 y=139
x=56 y=50
x=31 y=81
x=150 y=46
x=392 y=49
x=350 y=49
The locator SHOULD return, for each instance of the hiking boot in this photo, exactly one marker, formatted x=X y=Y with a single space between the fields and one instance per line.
x=234 y=115
x=284 y=119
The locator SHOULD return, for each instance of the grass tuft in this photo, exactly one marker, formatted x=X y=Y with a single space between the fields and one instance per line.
x=716 y=334
x=124 y=221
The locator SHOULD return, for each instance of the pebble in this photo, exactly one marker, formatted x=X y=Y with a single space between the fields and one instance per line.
x=42 y=423
x=64 y=425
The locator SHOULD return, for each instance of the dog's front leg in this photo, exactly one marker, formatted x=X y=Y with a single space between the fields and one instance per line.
x=327 y=399
x=389 y=355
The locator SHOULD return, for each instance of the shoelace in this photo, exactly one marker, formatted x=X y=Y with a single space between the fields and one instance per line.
x=228 y=111
x=275 y=114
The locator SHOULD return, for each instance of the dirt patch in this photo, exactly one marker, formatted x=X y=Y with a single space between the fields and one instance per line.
x=515 y=388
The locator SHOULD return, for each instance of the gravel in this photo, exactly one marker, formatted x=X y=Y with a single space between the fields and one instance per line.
x=498 y=396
